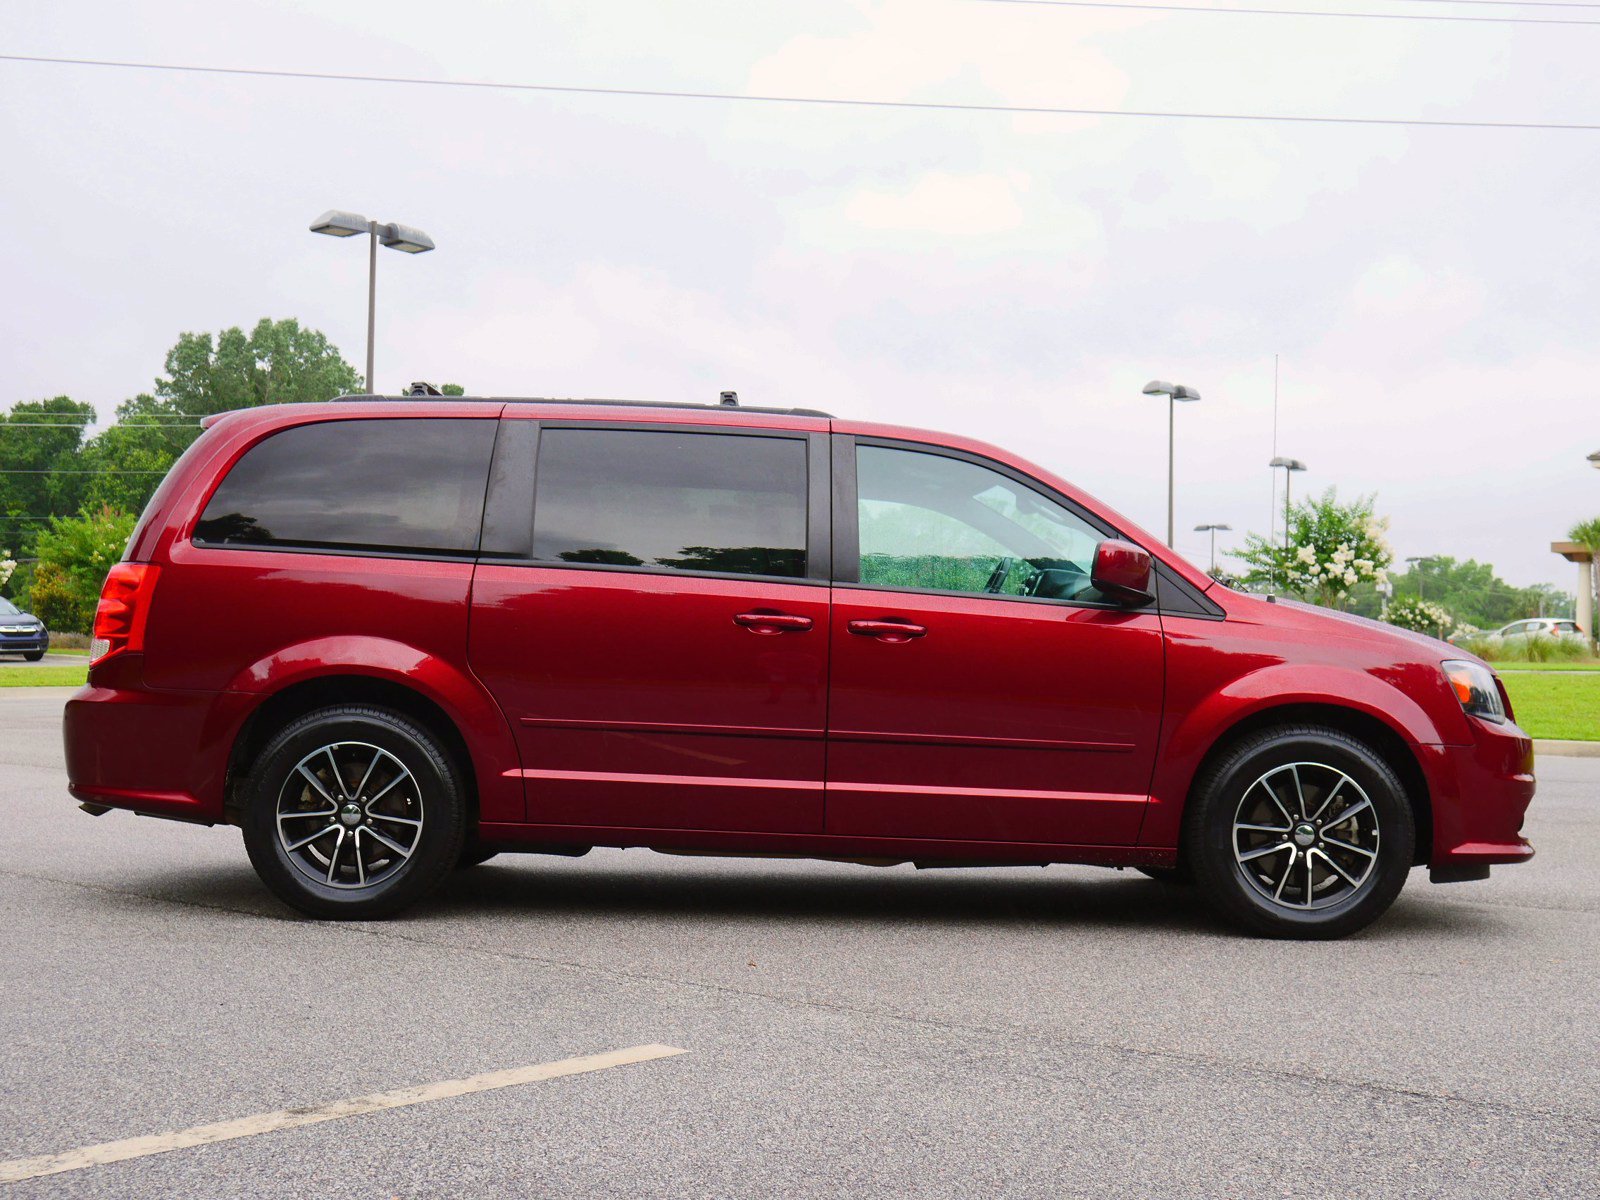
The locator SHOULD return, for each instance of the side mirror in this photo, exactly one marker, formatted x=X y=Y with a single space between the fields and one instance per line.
x=1122 y=573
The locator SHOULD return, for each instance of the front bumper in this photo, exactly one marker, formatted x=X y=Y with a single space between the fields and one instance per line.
x=25 y=643
x=162 y=753
x=1480 y=795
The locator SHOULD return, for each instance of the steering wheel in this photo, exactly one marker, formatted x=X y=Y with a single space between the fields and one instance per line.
x=998 y=576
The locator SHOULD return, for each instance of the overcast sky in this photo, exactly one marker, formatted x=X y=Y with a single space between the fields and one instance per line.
x=1431 y=292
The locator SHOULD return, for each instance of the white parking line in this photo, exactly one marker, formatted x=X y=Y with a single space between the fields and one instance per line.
x=289 y=1118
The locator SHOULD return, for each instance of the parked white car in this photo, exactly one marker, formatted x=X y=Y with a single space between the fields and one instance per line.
x=1558 y=627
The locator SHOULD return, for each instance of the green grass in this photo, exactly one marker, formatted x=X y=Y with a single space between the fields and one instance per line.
x=1550 y=706
x=43 y=676
x=1503 y=667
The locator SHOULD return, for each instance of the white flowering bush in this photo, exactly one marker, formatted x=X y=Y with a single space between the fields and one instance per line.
x=1420 y=616
x=7 y=566
x=1331 y=548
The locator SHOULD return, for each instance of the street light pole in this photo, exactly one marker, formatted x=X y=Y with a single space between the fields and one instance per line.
x=1173 y=393
x=404 y=238
x=1290 y=466
x=1419 y=559
x=1213 y=529
x=372 y=295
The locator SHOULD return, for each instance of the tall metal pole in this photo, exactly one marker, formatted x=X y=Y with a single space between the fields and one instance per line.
x=372 y=295
x=1272 y=508
x=1288 y=474
x=1172 y=408
x=1213 y=549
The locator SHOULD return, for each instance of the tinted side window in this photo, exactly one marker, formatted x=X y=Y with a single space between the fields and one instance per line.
x=727 y=503
x=377 y=484
x=944 y=524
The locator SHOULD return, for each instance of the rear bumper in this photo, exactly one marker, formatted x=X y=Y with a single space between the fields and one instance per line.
x=162 y=753
x=1480 y=795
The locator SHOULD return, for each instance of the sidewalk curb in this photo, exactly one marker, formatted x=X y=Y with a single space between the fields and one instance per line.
x=1559 y=749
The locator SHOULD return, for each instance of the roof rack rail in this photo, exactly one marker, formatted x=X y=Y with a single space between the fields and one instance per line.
x=719 y=406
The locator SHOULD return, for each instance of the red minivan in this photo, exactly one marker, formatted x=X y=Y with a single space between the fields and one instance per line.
x=389 y=637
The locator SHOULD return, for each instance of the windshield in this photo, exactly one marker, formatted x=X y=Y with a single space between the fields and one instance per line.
x=8 y=609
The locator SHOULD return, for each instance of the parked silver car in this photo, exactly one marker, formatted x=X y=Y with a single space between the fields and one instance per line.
x=1558 y=627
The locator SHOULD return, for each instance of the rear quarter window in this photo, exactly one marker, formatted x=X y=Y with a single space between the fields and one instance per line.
x=398 y=485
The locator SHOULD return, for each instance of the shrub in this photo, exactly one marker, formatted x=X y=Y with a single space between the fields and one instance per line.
x=74 y=555
x=1539 y=648
x=1420 y=616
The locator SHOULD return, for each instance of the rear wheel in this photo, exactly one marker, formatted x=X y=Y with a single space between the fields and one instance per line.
x=354 y=813
x=1300 y=832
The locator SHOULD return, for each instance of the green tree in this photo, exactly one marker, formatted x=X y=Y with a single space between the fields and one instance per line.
x=40 y=444
x=278 y=362
x=1332 y=550
x=74 y=555
x=1474 y=595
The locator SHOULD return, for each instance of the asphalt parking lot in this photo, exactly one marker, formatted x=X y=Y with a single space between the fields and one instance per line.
x=51 y=659
x=848 y=1030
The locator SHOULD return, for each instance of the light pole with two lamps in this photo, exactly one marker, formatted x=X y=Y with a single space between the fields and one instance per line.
x=1290 y=466
x=1212 y=529
x=1173 y=393
x=1416 y=560
x=397 y=237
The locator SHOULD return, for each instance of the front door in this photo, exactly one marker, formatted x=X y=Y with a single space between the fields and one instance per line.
x=661 y=645
x=982 y=689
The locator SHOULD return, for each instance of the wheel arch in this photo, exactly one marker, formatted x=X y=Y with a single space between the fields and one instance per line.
x=323 y=691
x=1371 y=730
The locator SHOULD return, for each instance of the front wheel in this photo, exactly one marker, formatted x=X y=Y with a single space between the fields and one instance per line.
x=354 y=813
x=33 y=655
x=1300 y=832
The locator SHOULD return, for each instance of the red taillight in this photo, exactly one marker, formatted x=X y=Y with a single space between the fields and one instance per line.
x=124 y=608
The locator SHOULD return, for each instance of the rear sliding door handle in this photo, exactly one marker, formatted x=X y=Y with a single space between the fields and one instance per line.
x=887 y=631
x=768 y=623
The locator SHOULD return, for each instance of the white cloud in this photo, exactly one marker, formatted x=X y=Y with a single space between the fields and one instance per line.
x=942 y=203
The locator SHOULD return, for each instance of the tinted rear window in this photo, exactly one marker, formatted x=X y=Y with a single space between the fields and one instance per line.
x=725 y=503
x=407 y=485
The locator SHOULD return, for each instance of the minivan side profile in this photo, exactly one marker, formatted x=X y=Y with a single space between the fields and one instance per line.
x=389 y=638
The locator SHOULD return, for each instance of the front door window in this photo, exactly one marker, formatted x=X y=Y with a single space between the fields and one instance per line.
x=929 y=522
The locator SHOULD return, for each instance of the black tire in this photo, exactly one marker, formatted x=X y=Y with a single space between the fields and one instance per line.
x=411 y=795
x=33 y=655
x=473 y=854
x=1363 y=856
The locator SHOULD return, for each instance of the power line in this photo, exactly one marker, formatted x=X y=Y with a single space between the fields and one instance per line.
x=104 y=471
x=1513 y=3
x=1291 y=12
x=5 y=424
x=90 y=417
x=825 y=101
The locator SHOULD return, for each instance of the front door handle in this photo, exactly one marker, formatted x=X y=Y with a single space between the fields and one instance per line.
x=770 y=623
x=887 y=631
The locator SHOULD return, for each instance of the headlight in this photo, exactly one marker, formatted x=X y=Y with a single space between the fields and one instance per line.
x=1477 y=690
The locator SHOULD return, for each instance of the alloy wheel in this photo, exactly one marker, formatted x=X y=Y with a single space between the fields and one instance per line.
x=1305 y=836
x=349 y=815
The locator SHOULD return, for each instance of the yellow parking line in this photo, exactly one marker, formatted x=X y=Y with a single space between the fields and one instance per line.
x=289 y=1118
